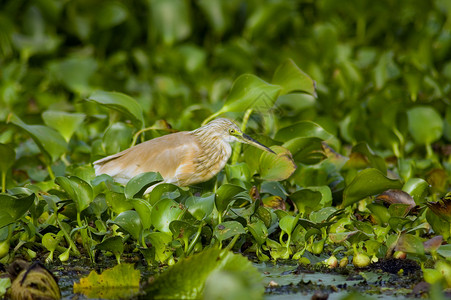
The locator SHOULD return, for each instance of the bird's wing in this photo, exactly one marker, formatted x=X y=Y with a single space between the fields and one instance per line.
x=169 y=155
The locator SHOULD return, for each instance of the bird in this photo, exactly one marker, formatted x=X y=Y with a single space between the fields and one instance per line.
x=182 y=158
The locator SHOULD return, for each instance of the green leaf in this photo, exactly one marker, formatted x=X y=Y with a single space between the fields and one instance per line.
x=75 y=73
x=121 y=281
x=144 y=210
x=302 y=129
x=201 y=207
x=306 y=150
x=160 y=242
x=49 y=141
x=8 y=156
x=138 y=184
x=425 y=124
x=445 y=251
x=130 y=222
x=410 y=244
x=164 y=212
x=170 y=20
x=117 y=138
x=121 y=103
x=250 y=92
x=367 y=183
x=182 y=230
x=292 y=79
x=276 y=167
x=228 y=229
x=14 y=208
x=113 y=244
x=64 y=122
x=417 y=188
x=78 y=190
x=186 y=279
x=225 y=195
x=288 y=223
x=258 y=230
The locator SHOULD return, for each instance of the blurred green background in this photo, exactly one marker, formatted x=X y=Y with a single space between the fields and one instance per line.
x=372 y=60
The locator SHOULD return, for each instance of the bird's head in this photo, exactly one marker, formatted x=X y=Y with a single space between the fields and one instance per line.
x=230 y=132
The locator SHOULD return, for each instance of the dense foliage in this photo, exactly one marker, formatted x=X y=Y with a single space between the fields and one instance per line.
x=80 y=80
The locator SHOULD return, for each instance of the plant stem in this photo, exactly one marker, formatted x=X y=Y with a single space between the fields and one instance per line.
x=195 y=239
x=232 y=242
x=3 y=182
x=51 y=174
x=237 y=147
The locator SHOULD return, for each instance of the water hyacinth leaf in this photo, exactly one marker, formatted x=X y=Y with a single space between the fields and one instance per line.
x=302 y=129
x=438 y=224
x=182 y=230
x=410 y=244
x=121 y=281
x=118 y=202
x=49 y=141
x=130 y=222
x=144 y=210
x=117 y=138
x=288 y=223
x=444 y=250
x=250 y=92
x=322 y=214
x=339 y=237
x=379 y=212
x=362 y=156
x=417 y=188
x=75 y=73
x=367 y=183
x=228 y=229
x=164 y=212
x=276 y=167
x=122 y=103
x=170 y=20
x=306 y=150
x=64 y=122
x=78 y=190
x=113 y=244
x=186 y=279
x=265 y=215
x=160 y=242
x=14 y=208
x=201 y=207
x=425 y=124
x=225 y=195
x=399 y=210
x=258 y=230
x=292 y=79
x=8 y=156
x=306 y=200
x=136 y=187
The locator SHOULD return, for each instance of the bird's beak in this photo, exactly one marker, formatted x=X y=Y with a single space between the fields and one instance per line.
x=248 y=140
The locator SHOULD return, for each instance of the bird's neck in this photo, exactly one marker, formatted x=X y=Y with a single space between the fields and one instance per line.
x=215 y=152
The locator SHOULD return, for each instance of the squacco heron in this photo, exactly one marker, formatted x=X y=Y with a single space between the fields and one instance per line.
x=182 y=158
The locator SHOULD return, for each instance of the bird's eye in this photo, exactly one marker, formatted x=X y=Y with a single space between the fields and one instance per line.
x=232 y=131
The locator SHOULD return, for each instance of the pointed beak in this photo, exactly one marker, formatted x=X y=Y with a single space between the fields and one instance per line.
x=248 y=140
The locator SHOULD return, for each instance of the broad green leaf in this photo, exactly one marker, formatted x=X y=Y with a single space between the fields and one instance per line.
x=367 y=183
x=201 y=207
x=117 y=202
x=322 y=214
x=117 y=138
x=410 y=244
x=164 y=212
x=302 y=129
x=276 y=167
x=129 y=221
x=170 y=20
x=144 y=209
x=136 y=187
x=113 y=244
x=225 y=195
x=160 y=244
x=417 y=188
x=49 y=141
x=64 y=122
x=78 y=190
x=425 y=124
x=75 y=73
x=445 y=250
x=292 y=79
x=5 y=284
x=14 y=208
x=122 y=103
x=306 y=200
x=186 y=279
x=228 y=229
x=250 y=92
x=182 y=230
x=379 y=212
x=258 y=230
x=8 y=156
x=288 y=223
x=121 y=281
x=306 y=150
